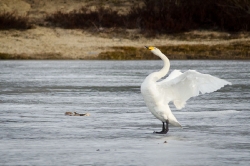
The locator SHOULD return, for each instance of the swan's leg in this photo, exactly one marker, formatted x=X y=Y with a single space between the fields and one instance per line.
x=167 y=126
x=164 y=128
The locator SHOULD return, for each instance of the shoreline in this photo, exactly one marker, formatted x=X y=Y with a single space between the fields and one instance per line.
x=41 y=43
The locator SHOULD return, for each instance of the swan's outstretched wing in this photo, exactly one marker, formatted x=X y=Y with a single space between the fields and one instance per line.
x=179 y=87
x=173 y=75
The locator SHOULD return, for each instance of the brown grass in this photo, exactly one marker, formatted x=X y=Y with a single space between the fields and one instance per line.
x=234 y=51
x=162 y=16
x=199 y=51
x=46 y=56
x=10 y=20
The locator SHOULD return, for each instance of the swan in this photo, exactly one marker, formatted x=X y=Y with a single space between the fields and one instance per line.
x=178 y=87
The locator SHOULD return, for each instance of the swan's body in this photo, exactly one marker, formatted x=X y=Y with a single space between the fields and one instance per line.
x=177 y=87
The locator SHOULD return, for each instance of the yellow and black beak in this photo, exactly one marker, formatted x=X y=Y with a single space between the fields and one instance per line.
x=150 y=48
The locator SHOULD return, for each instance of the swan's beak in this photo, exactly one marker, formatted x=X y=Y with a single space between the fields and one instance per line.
x=150 y=48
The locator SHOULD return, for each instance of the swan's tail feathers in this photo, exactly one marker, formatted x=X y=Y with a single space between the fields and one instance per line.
x=173 y=121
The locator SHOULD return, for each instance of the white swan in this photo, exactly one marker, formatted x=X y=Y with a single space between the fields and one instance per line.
x=178 y=87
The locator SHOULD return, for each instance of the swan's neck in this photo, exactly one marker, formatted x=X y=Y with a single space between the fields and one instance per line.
x=165 y=68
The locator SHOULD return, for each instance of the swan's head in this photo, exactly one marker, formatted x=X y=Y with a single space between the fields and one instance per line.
x=154 y=50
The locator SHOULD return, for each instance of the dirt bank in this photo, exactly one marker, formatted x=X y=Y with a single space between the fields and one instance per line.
x=56 y=43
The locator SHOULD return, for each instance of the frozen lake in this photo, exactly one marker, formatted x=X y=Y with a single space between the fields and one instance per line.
x=34 y=95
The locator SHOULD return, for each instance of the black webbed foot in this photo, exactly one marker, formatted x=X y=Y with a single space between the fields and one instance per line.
x=161 y=132
x=164 y=128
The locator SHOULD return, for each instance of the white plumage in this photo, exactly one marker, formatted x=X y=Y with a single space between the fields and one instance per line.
x=178 y=87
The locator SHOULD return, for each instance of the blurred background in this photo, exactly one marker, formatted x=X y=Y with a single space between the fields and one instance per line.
x=130 y=24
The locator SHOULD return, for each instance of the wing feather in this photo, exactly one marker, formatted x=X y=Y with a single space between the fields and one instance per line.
x=179 y=87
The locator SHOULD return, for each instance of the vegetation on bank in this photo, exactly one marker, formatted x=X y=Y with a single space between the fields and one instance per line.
x=10 y=20
x=45 y=56
x=239 y=51
x=153 y=17
x=162 y=16
x=171 y=17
